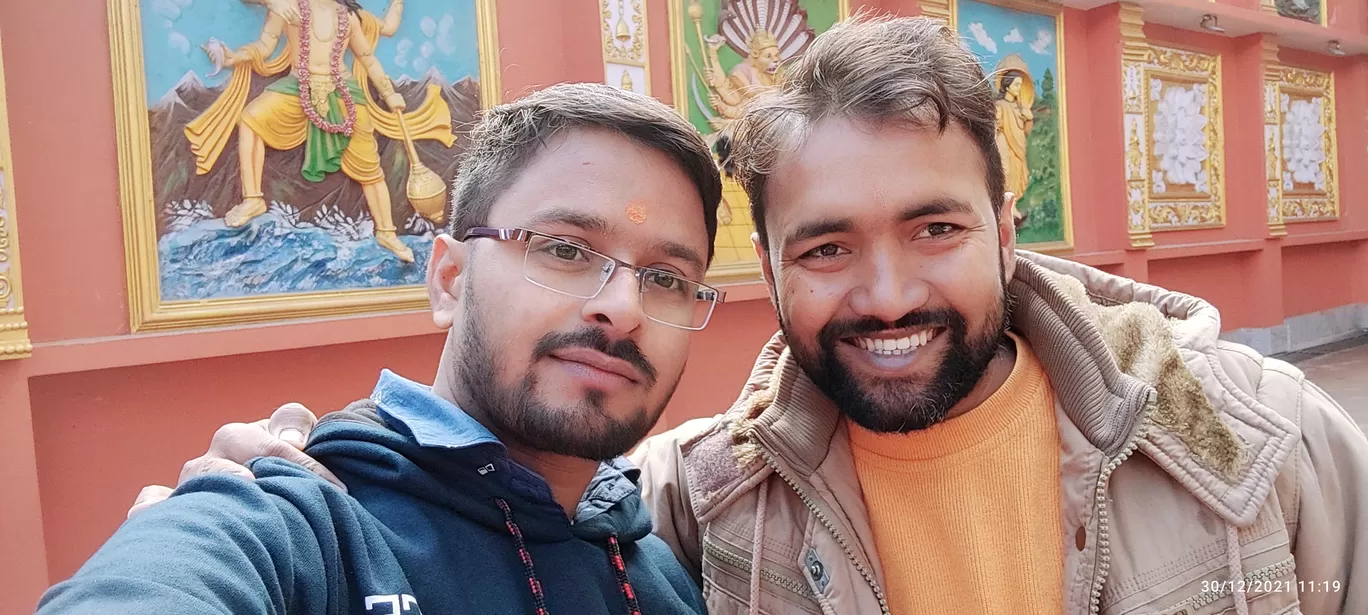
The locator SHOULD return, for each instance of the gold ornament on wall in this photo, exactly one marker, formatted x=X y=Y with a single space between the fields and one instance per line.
x=1303 y=183
x=1184 y=174
x=1136 y=54
x=14 y=340
x=626 y=62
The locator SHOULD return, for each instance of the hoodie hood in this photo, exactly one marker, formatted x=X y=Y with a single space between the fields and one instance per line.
x=406 y=439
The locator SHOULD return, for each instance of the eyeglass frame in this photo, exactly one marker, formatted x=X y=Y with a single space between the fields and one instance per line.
x=525 y=236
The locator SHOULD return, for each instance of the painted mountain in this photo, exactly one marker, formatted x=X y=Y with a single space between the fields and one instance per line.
x=176 y=186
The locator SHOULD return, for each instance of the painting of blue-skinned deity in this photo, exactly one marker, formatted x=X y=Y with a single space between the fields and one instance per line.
x=294 y=147
x=1021 y=53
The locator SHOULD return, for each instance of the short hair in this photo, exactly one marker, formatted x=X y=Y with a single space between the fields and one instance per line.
x=912 y=70
x=507 y=138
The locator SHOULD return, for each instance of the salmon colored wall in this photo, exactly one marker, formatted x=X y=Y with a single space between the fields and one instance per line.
x=97 y=413
x=1320 y=283
x=1222 y=279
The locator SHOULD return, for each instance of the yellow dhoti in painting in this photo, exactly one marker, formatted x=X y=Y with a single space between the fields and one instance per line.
x=280 y=121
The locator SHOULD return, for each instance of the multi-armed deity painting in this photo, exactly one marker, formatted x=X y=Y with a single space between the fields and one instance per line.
x=723 y=53
x=290 y=157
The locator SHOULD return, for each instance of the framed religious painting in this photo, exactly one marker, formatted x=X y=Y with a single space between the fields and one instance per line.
x=1021 y=46
x=290 y=158
x=1312 y=11
x=722 y=54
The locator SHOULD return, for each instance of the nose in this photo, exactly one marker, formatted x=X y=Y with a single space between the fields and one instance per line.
x=889 y=287
x=618 y=306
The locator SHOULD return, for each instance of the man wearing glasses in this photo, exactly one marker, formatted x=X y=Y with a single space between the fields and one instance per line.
x=569 y=298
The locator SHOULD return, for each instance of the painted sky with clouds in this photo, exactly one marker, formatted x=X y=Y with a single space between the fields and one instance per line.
x=434 y=33
x=994 y=32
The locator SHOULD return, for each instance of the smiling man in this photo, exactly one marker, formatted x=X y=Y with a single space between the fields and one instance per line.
x=582 y=219
x=949 y=425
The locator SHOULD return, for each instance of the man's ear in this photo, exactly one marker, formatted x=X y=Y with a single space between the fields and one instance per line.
x=444 y=279
x=1007 y=235
x=766 y=269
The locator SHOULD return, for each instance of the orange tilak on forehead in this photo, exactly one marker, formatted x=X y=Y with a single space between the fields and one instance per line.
x=636 y=212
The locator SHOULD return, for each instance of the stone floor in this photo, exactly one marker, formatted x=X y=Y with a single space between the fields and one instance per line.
x=1342 y=370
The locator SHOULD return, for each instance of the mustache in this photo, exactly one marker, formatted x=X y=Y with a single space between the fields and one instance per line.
x=950 y=319
x=594 y=338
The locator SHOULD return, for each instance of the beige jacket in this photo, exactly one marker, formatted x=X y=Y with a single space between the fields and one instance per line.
x=1229 y=443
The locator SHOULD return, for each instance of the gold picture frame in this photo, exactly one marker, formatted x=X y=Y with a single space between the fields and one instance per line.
x=735 y=260
x=1307 y=97
x=148 y=311
x=1167 y=83
x=14 y=340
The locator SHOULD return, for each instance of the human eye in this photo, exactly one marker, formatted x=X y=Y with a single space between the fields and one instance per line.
x=937 y=230
x=563 y=250
x=663 y=280
x=824 y=251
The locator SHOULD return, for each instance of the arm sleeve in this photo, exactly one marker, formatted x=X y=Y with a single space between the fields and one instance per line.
x=1331 y=534
x=220 y=545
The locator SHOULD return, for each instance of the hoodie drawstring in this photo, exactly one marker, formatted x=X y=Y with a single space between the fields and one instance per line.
x=538 y=597
x=1236 y=570
x=757 y=548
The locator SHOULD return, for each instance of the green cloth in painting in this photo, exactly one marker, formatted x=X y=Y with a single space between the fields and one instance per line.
x=322 y=149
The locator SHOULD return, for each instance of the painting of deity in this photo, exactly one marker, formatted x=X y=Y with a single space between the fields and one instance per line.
x=1020 y=49
x=723 y=53
x=287 y=158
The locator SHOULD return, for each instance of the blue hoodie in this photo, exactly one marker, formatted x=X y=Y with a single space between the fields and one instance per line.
x=438 y=520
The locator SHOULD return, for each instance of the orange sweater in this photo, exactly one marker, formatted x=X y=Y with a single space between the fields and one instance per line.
x=966 y=514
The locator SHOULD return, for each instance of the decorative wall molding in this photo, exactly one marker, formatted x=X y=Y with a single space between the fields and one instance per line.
x=1300 y=144
x=1135 y=53
x=1184 y=161
x=626 y=59
x=14 y=340
x=1175 y=152
x=1272 y=155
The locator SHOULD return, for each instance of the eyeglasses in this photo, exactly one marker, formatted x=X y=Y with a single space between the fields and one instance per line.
x=572 y=269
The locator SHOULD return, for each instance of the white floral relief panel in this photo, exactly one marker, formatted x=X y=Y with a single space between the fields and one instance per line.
x=1183 y=161
x=1303 y=133
x=1180 y=138
x=1306 y=132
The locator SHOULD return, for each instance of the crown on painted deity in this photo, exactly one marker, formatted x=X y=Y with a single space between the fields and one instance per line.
x=760 y=39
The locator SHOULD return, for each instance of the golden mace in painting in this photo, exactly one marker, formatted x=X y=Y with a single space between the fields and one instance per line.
x=288 y=158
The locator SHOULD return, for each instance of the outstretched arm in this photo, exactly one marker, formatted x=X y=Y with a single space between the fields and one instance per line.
x=362 y=50
x=393 y=17
x=222 y=547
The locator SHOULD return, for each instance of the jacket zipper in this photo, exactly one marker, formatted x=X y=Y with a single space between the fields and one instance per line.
x=1103 y=479
x=1261 y=577
x=826 y=522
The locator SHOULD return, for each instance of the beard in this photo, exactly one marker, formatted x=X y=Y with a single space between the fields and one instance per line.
x=900 y=405
x=584 y=429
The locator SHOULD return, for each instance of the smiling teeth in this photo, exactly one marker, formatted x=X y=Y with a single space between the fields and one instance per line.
x=894 y=347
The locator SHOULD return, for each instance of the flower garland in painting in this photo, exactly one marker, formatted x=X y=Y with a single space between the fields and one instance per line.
x=338 y=48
